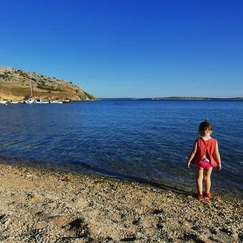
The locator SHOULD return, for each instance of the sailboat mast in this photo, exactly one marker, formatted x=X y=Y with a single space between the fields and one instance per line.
x=31 y=89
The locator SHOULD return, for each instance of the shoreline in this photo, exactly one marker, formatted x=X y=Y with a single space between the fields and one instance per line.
x=173 y=185
x=58 y=206
x=188 y=188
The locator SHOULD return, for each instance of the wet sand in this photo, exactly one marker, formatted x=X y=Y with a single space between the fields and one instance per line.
x=55 y=206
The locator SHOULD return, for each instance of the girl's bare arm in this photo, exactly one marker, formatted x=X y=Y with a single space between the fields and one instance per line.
x=194 y=150
x=218 y=156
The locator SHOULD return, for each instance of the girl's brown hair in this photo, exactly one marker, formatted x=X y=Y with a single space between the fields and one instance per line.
x=205 y=125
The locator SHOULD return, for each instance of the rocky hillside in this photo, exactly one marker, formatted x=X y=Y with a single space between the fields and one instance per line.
x=16 y=84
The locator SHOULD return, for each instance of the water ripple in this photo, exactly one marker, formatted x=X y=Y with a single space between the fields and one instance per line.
x=142 y=139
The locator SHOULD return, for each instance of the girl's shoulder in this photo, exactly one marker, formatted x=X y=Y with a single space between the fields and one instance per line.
x=200 y=141
x=206 y=139
x=201 y=138
x=213 y=139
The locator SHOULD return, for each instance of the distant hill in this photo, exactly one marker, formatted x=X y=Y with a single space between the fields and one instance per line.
x=174 y=98
x=15 y=84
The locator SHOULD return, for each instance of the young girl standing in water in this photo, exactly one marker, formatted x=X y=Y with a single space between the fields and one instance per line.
x=205 y=155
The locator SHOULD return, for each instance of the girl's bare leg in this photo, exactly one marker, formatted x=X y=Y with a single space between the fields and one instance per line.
x=207 y=179
x=200 y=173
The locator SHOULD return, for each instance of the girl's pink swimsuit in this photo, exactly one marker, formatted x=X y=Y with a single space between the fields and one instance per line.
x=205 y=164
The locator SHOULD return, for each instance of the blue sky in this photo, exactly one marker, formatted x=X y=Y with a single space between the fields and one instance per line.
x=129 y=48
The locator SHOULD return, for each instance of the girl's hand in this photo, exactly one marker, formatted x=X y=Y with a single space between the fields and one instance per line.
x=188 y=165
x=219 y=167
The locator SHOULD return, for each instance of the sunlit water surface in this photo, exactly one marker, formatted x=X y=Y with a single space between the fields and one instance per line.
x=137 y=140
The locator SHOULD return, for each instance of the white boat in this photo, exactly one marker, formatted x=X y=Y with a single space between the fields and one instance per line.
x=14 y=102
x=40 y=101
x=56 y=101
x=29 y=101
x=3 y=102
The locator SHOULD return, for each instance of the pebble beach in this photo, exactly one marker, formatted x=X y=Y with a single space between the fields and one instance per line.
x=56 y=206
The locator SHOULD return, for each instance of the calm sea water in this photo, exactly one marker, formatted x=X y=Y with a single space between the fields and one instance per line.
x=138 y=140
